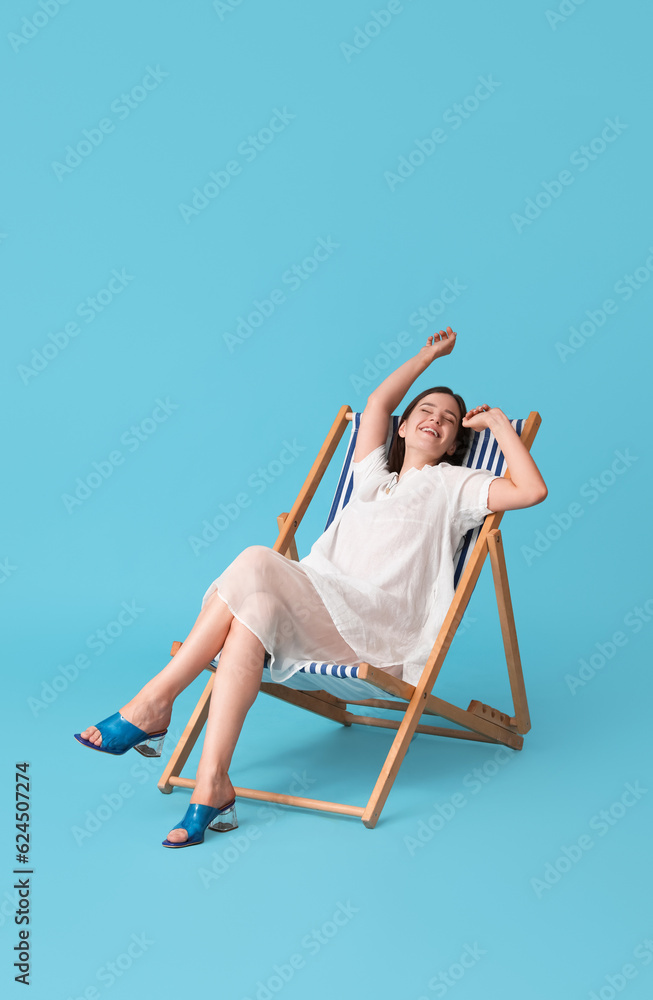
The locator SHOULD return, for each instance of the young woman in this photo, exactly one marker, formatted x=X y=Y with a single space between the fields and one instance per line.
x=374 y=588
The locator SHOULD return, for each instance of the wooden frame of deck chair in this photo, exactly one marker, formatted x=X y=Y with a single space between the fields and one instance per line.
x=327 y=689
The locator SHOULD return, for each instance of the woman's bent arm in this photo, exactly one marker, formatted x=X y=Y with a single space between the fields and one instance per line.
x=383 y=401
x=393 y=389
x=525 y=488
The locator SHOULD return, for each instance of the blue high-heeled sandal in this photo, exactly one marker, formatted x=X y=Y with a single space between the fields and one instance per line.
x=198 y=817
x=119 y=735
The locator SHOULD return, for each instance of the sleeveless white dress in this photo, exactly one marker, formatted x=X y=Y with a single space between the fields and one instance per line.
x=376 y=585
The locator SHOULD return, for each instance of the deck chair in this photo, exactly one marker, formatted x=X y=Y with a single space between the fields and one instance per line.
x=328 y=689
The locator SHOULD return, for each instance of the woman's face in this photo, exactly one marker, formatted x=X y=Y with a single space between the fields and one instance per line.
x=432 y=426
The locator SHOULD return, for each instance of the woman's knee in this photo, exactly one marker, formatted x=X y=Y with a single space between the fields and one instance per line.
x=254 y=553
x=255 y=562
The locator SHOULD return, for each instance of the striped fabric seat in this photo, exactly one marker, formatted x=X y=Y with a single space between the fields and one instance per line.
x=341 y=680
x=338 y=679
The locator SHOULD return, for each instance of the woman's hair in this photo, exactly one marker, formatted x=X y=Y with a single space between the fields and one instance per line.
x=398 y=446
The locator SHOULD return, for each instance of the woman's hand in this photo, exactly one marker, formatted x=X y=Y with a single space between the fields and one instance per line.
x=437 y=346
x=392 y=390
x=481 y=417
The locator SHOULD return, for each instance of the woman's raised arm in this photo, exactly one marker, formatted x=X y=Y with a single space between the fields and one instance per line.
x=384 y=400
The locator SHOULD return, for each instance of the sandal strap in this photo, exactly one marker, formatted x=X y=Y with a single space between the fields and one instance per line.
x=117 y=731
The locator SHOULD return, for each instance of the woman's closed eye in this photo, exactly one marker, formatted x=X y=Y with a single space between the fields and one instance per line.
x=446 y=416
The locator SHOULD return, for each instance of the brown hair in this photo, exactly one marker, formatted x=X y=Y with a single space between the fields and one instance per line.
x=398 y=446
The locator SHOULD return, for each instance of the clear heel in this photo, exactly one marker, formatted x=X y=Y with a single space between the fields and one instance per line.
x=151 y=747
x=225 y=820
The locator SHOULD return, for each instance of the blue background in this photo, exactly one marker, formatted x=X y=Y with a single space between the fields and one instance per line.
x=478 y=883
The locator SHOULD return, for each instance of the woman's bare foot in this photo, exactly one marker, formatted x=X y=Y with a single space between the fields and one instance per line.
x=215 y=792
x=152 y=715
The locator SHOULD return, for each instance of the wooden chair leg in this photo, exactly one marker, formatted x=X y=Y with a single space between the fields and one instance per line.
x=393 y=762
x=508 y=630
x=188 y=738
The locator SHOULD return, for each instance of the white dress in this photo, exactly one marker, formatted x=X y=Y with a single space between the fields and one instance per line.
x=376 y=585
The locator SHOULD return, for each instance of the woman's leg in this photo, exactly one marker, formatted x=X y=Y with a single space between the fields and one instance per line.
x=151 y=708
x=236 y=684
